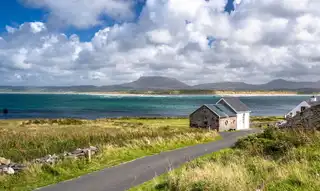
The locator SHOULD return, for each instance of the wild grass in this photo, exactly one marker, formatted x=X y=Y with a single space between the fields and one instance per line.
x=275 y=160
x=119 y=140
x=264 y=121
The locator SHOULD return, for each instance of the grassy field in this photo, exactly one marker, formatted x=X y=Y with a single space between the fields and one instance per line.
x=274 y=160
x=119 y=140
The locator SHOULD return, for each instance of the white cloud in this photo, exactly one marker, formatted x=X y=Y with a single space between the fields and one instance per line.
x=159 y=36
x=260 y=41
x=84 y=13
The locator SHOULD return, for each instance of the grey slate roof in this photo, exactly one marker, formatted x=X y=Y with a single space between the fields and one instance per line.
x=226 y=110
x=220 y=110
x=236 y=104
x=311 y=103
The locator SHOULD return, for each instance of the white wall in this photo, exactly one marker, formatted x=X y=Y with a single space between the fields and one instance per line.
x=247 y=120
x=240 y=124
x=243 y=120
x=298 y=108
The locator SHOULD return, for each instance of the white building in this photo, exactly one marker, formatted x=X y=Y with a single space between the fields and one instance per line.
x=303 y=106
x=241 y=110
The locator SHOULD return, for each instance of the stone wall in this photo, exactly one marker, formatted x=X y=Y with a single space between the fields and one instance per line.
x=8 y=167
x=204 y=118
x=310 y=118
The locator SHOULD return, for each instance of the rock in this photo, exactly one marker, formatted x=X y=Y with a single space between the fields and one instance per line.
x=92 y=148
x=77 y=151
x=308 y=119
x=72 y=156
x=51 y=159
x=8 y=170
x=18 y=167
x=2 y=166
x=281 y=123
x=4 y=161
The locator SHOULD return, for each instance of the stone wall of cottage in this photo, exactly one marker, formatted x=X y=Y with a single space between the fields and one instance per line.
x=204 y=118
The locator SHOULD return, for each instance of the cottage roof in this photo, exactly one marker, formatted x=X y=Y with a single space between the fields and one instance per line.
x=313 y=103
x=235 y=103
x=220 y=110
x=226 y=110
x=214 y=108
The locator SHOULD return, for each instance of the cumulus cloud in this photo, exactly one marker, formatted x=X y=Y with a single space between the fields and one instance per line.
x=84 y=13
x=194 y=41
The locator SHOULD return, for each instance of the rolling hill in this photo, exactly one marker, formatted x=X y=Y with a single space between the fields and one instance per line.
x=165 y=83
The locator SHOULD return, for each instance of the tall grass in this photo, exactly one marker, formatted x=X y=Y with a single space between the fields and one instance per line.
x=119 y=140
x=274 y=160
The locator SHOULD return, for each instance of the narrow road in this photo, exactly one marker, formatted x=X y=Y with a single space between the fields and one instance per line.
x=125 y=176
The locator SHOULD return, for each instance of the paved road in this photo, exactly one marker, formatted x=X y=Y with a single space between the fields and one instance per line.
x=125 y=176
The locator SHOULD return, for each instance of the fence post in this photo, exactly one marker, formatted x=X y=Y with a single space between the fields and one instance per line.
x=89 y=155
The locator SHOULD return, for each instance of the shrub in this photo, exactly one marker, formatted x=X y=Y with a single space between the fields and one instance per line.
x=274 y=142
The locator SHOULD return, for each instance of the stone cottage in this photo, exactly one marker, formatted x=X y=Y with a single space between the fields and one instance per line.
x=229 y=113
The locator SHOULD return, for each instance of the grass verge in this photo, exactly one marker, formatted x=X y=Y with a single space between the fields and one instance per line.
x=274 y=160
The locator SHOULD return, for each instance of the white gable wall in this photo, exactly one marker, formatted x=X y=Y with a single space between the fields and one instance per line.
x=243 y=120
x=240 y=123
x=298 y=108
x=247 y=120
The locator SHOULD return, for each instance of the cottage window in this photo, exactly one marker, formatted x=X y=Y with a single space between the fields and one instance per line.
x=226 y=123
x=303 y=108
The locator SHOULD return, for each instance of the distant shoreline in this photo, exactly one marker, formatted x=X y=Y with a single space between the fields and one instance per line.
x=240 y=94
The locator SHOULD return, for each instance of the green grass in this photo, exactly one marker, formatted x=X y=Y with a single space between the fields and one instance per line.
x=120 y=140
x=264 y=122
x=275 y=160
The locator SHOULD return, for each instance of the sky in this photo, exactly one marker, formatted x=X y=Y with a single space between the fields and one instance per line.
x=104 y=42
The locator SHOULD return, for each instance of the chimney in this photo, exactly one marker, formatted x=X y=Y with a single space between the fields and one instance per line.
x=313 y=99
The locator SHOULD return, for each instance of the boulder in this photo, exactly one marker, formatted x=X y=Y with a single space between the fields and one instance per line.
x=77 y=151
x=17 y=167
x=4 y=161
x=8 y=170
x=92 y=148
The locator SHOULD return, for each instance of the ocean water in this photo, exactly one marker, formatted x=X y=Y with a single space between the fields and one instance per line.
x=102 y=106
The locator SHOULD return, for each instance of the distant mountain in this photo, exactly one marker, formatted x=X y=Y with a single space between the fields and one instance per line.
x=225 y=86
x=151 y=83
x=165 y=83
x=280 y=84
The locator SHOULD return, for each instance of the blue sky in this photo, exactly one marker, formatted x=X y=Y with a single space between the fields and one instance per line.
x=13 y=13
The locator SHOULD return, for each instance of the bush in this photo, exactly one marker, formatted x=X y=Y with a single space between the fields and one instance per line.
x=53 y=121
x=274 y=142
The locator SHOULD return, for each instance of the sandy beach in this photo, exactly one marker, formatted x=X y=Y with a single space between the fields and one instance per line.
x=117 y=94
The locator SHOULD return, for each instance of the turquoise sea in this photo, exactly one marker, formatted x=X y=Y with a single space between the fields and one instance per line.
x=102 y=106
